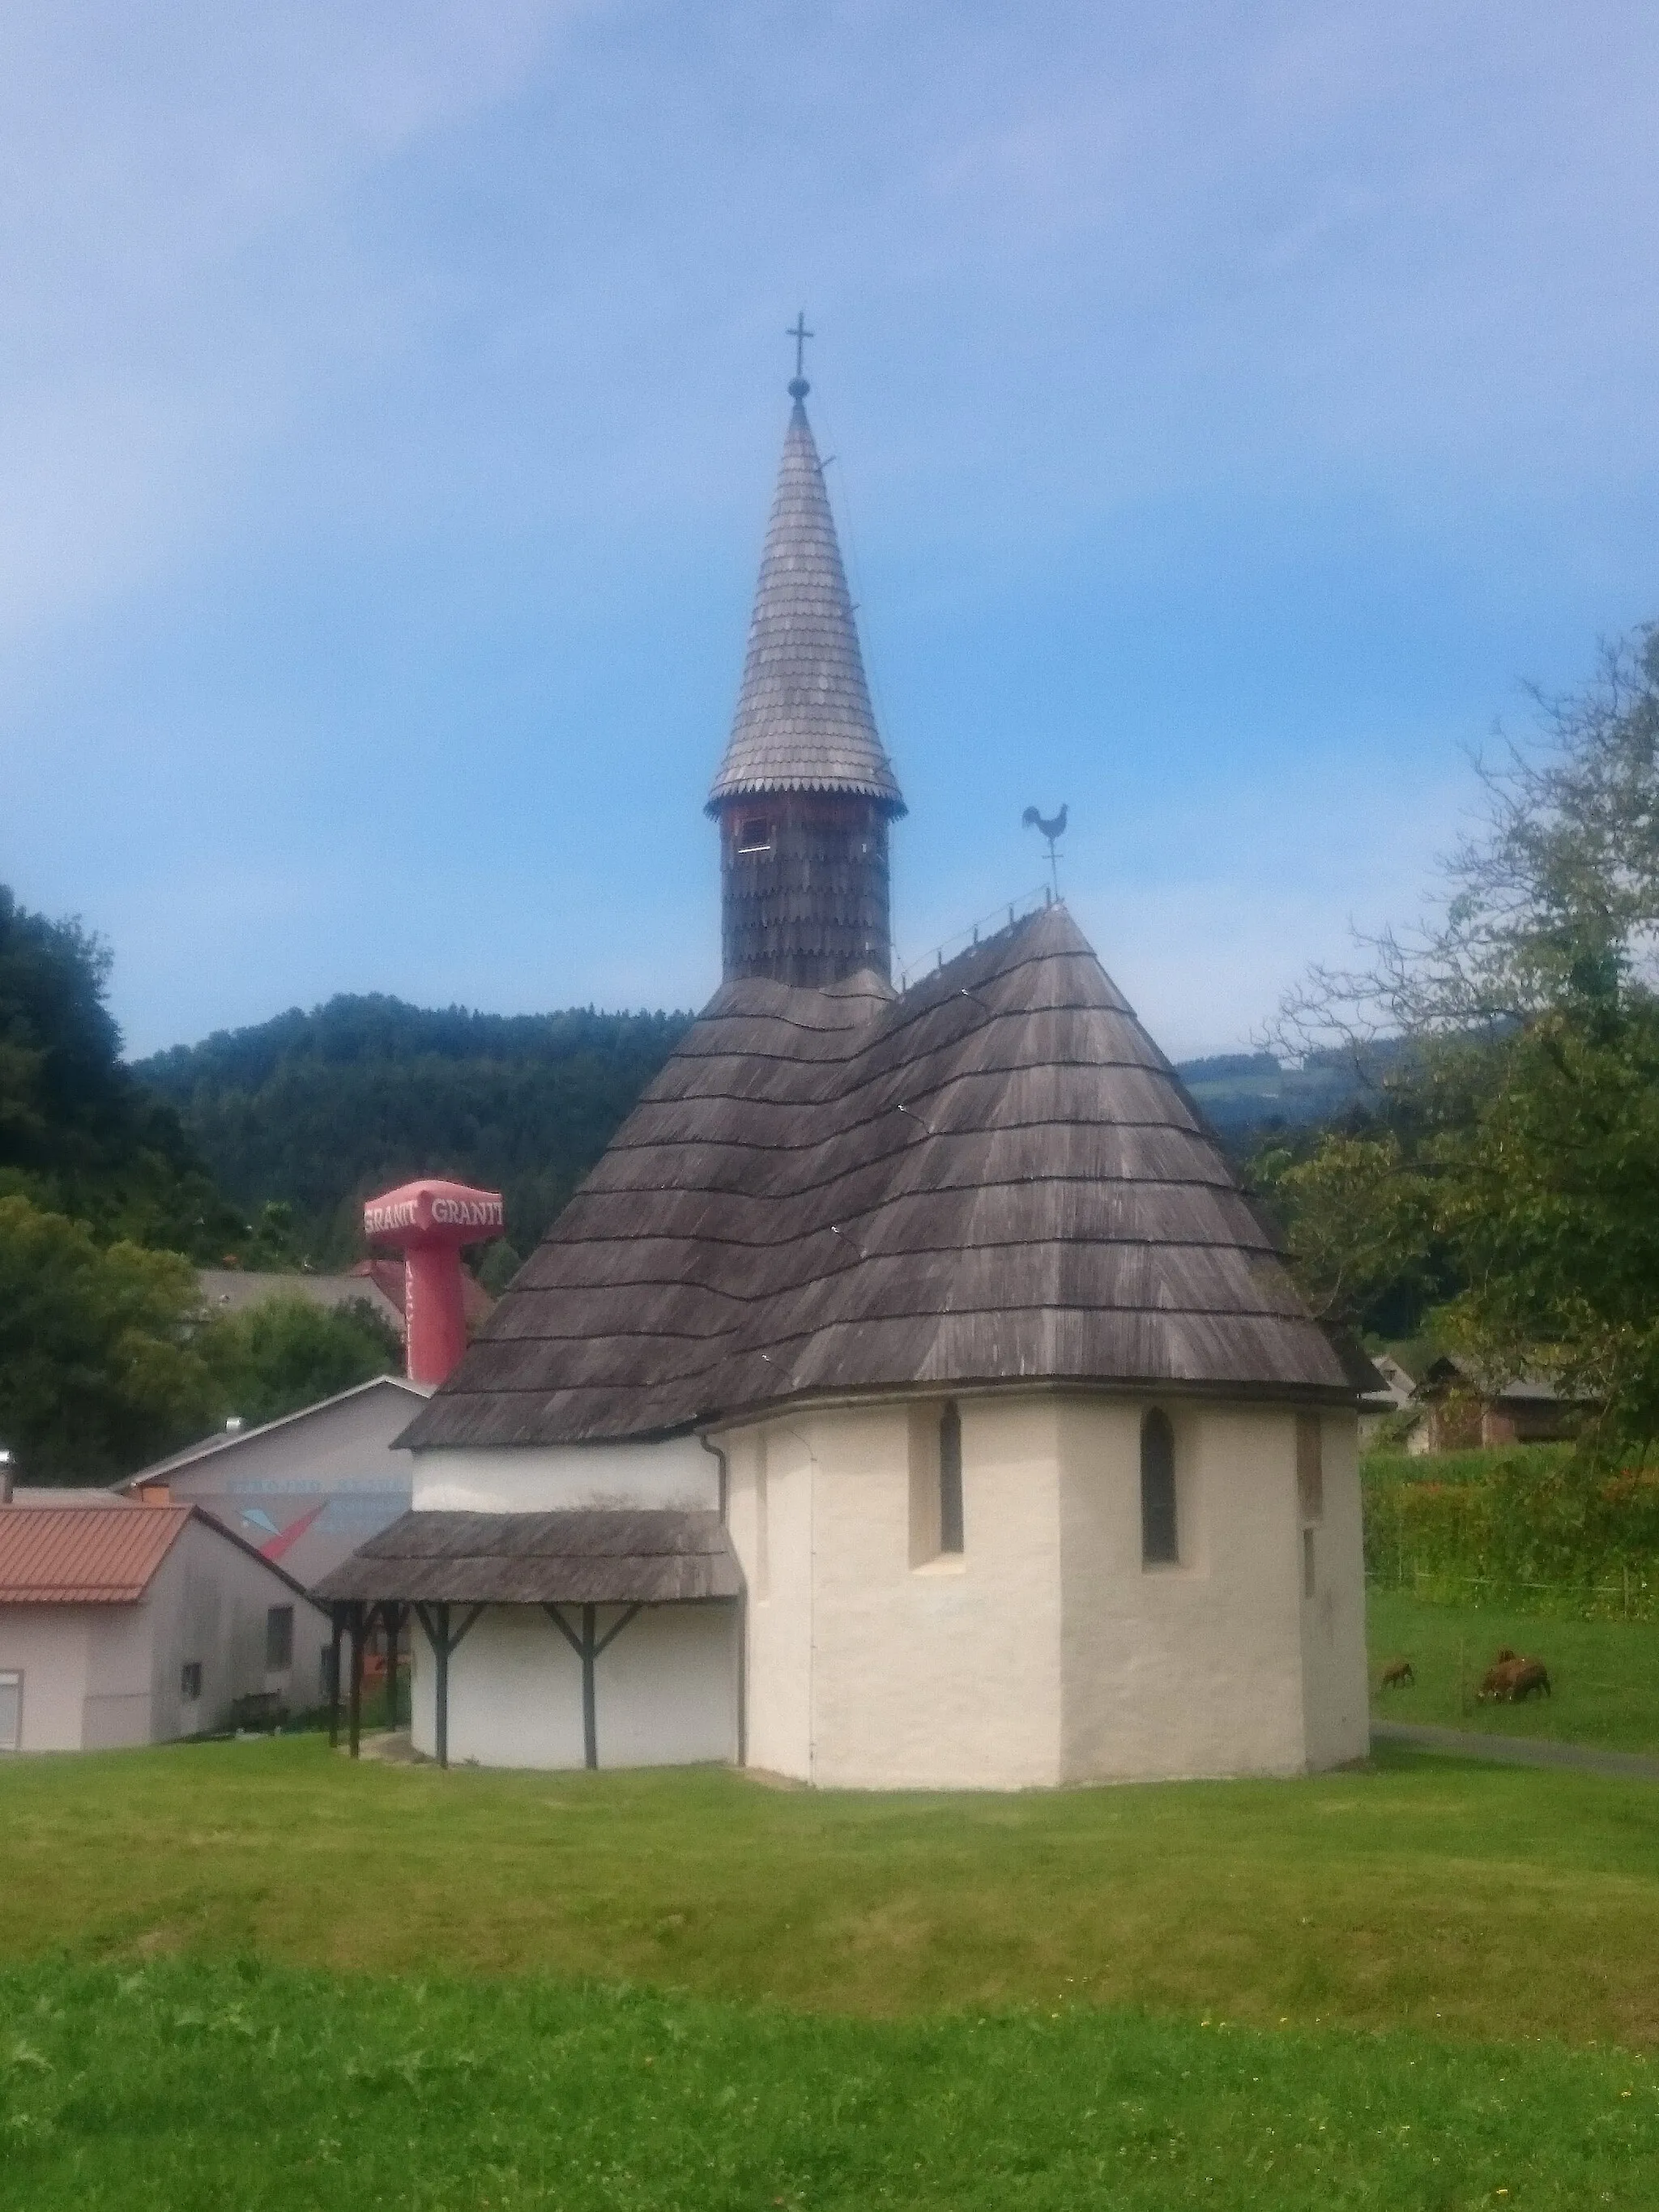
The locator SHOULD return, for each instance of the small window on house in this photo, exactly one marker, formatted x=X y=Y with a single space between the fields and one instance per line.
x=1310 y=1467
x=1307 y=1563
x=190 y=1678
x=279 y=1638
x=11 y=1712
x=950 y=1480
x=755 y=835
x=1159 y=1538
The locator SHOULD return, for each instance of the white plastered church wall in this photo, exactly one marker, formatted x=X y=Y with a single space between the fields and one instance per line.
x=868 y=1667
x=1049 y=1651
x=1193 y=1667
x=666 y=1692
x=675 y=1474
x=773 y=1478
x=1336 y=1684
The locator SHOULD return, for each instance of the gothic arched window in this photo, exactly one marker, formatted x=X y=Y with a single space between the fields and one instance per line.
x=1159 y=1539
x=949 y=1479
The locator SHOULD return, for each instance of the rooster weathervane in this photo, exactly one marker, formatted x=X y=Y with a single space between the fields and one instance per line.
x=1052 y=829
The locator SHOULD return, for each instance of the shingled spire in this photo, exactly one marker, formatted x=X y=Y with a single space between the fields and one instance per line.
x=805 y=792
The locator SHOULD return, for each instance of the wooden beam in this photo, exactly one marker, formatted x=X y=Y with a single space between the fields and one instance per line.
x=337 y=1629
x=392 y=1617
x=590 y=1711
x=435 y=1619
x=440 y=1740
x=587 y=1647
x=356 y=1709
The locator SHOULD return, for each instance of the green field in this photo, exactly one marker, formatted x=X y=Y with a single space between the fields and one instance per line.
x=1425 y=1893
x=247 y=1974
x=1378 y=1469
x=1604 y=1674
x=186 y=2088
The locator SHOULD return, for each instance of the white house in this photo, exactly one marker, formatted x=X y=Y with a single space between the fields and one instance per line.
x=128 y=1623
x=910 y=1397
x=307 y=1489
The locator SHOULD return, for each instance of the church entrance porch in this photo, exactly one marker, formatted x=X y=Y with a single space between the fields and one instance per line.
x=593 y=1637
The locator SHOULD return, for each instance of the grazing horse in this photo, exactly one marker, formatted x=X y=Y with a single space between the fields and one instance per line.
x=1510 y=1677
x=1398 y=1675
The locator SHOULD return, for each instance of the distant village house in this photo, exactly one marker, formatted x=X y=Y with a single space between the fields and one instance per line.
x=124 y=1623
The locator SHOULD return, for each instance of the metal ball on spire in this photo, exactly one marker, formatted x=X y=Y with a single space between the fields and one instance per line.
x=799 y=387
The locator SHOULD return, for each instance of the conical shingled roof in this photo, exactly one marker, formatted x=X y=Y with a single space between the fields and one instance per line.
x=804 y=720
x=995 y=1178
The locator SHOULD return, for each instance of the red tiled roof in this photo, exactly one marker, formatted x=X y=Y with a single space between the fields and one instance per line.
x=83 y=1554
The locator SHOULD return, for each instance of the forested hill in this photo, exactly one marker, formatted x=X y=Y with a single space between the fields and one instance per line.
x=318 y=1110
x=1243 y=1094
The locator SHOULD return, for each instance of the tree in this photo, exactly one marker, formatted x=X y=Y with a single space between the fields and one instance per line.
x=1366 y=1254
x=318 y=1110
x=500 y=1262
x=78 y=1135
x=286 y=1352
x=1518 y=1129
x=98 y=1373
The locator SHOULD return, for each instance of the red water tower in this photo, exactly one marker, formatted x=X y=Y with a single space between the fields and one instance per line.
x=428 y=1222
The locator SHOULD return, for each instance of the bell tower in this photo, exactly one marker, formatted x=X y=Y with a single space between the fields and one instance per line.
x=805 y=792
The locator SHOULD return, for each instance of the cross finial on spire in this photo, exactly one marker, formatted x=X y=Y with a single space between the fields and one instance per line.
x=799 y=387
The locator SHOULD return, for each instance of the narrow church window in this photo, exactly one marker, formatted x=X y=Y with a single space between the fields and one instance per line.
x=1307 y=1563
x=190 y=1678
x=1310 y=1467
x=950 y=1480
x=1158 y=1536
x=755 y=835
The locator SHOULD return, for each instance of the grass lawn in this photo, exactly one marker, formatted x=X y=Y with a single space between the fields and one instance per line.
x=1453 y=1897
x=1604 y=1674
x=182 y=2086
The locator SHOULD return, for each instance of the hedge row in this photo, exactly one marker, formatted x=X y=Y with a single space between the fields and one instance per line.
x=1528 y=1530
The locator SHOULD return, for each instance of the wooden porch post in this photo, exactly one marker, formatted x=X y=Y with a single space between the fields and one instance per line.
x=588 y=1648
x=590 y=1713
x=392 y=1613
x=336 y=1620
x=356 y=1706
x=435 y=1620
x=440 y=1652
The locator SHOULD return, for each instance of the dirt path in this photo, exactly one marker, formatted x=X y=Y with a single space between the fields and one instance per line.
x=1519 y=1750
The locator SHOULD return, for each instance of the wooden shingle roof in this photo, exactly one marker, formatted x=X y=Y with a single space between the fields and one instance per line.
x=803 y=719
x=593 y=1557
x=996 y=1177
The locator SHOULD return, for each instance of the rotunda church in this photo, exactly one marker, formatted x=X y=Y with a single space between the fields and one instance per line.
x=910 y=1397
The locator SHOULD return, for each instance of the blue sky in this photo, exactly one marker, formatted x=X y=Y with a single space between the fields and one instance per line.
x=1229 y=404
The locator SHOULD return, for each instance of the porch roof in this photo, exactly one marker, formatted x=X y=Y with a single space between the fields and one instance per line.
x=600 y=1557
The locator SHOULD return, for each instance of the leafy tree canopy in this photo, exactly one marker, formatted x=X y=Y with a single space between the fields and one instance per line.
x=97 y=1370
x=78 y=1135
x=108 y=1361
x=286 y=1352
x=1504 y=1183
